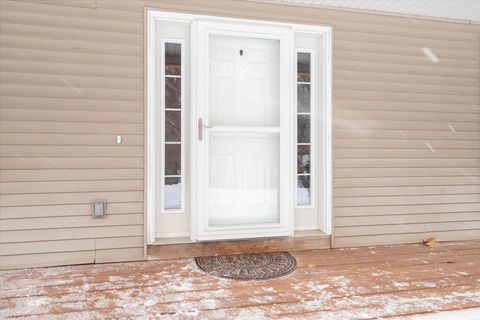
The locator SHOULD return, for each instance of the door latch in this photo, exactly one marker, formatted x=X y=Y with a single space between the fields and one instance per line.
x=200 y=128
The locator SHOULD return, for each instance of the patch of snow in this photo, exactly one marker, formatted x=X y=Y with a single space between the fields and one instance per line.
x=38 y=302
x=150 y=302
x=115 y=279
x=400 y=284
x=247 y=314
x=182 y=286
x=209 y=303
x=340 y=280
x=428 y=284
x=466 y=314
x=315 y=286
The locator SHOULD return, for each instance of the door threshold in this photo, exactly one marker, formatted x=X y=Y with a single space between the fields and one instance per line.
x=182 y=248
x=174 y=240
x=181 y=240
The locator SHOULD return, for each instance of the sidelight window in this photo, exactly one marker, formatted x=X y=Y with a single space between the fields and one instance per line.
x=304 y=127
x=172 y=131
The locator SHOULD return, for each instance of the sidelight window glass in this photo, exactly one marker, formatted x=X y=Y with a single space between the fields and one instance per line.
x=304 y=128
x=172 y=114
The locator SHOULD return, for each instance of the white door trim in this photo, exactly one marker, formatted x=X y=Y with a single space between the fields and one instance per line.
x=151 y=169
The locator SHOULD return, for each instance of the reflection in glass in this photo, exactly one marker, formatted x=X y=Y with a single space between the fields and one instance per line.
x=303 y=128
x=303 y=67
x=303 y=159
x=244 y=178
x=173 y=159
x=303 y=98
x=303 y=190
x=173 y=193
x=173 y=126
x=173 y=58
x=173 y=93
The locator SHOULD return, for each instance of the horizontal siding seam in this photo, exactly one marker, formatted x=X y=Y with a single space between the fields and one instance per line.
x=408 y=195
x=407 y=214
x=399 y=233
x=401 y=205
x=76 y=250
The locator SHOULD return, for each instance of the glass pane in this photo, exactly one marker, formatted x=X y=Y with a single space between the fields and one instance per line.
x=173 y=93
x=173 y=159
x=243 y=186
x=173 y=126
x=303 y=98
x=173 y=193
x=173 y=58
x=303 y=128
x=304 y=196
x=303 y=67
x=244 y=81
x=303 y=159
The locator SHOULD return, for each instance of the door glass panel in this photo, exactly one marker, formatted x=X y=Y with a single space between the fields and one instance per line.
x=244 y=170
x=303 y=96
x=173 y=159
x=303 y=159
x=303 y=128
x=303 y=67
x=244 y=81
x=303 y=190
x=173 y=93
x=173 y=193
x=173 y=59
x=173 y=126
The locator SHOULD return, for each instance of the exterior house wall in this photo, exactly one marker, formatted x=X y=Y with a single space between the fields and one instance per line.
x=406 y=128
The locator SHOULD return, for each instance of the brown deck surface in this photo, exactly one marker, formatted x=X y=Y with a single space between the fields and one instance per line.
x=357 y=283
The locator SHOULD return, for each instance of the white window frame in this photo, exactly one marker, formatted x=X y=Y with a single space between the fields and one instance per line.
x=151 y=168
x=163 y=42
x=313 y=141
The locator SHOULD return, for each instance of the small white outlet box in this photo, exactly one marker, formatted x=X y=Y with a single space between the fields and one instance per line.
x=99 y=208
x=119 y=139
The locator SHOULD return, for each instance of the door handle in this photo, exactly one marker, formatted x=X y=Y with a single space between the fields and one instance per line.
x=200 y=128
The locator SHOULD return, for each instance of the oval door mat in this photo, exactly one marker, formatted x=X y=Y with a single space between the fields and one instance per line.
x=255 y=266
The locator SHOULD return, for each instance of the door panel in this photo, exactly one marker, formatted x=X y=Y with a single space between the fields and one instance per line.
x=246 y=126
x=244 y=81
x=243 y=181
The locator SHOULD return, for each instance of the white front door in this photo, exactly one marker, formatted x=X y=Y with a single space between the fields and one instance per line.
x=244 y=131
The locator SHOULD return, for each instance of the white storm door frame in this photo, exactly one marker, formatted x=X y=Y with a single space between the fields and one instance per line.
x=201 y=31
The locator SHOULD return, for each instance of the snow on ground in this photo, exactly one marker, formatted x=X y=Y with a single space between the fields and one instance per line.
x=467 y=314
x=328 y=285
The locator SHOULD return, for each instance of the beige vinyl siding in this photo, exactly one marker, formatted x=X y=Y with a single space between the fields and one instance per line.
x=67 y=90
x=406 y=150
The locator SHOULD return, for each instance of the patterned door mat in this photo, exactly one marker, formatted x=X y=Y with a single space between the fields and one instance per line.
x=255 y=266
